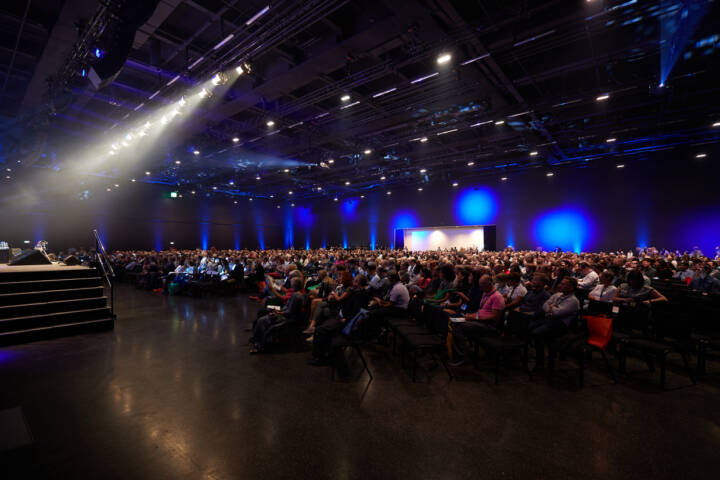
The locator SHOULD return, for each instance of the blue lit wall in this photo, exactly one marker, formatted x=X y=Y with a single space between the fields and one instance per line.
x=475 y=206
x=567 y=228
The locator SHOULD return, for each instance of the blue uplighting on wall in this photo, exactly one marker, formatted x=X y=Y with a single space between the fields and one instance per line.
x=204 y=234
x=288 y=228
x=307 y=240
x=700 y=229
x=476 y=206
x=349 y=207
x=569 y=229
x=237 y=235
x=158 y=232
x=402 y=219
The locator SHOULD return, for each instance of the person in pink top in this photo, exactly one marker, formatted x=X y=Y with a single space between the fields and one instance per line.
x=484 y=322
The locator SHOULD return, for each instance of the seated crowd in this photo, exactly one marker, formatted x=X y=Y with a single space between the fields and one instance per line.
x=322 y=291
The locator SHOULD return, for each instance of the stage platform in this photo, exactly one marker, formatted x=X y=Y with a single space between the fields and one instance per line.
x=41 y=301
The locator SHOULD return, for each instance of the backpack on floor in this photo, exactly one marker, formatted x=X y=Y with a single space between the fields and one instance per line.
x=354 y=326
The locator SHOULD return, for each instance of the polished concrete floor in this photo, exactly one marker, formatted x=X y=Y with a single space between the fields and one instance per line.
x=172 y=393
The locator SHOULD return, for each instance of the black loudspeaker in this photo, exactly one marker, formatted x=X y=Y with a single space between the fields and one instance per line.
x=71 y=261
x=117 y=41
x=31 y=257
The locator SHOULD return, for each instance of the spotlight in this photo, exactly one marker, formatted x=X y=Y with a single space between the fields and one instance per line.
x=257 y=178
x=716 y=124
x=367 y=151
x=235 y=202
x=347 y=183
x=192 y=192
x=286 y=170
x=290 y=192
x=362 y=196
x=533 y=153
x=619 y=165
x=335 y=199
x=235 y=139
x=345 y=98
x=470 y=164
x=549 y=174
x=214 y=188
x=147 y=173
x=231 y=182
x=177 y=162
x=610 y=140
x=419 y=189
x=112 y=152
x=455 y=184
x=701 y=155
x=422 y=170
x=383 y=177
x=500 y=122
x=203 y=93
x=239 y=69
x=504 y=179
x=292 y=204
x=196 y=152
x=133 y=180
x=319 y=189
x=142 y=133
x=388 y=193
x=164 y=120
x=444 y=58
x=423 y=139
x=603 y=97
x=182 y=102
x=331 y=161
x=219 y=79
x=108 y=189
x=117 y=186
x=147 y=125
x=270 y=123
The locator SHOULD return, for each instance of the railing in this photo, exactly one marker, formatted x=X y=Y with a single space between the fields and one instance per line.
x=106 y=267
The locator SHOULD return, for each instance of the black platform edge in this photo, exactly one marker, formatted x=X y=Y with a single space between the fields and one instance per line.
x=9 y=275
x=56 y=331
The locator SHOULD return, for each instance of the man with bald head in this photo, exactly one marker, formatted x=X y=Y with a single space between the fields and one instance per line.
x=485 y=321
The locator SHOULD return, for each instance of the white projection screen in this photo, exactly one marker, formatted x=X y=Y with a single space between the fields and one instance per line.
x=433 y=238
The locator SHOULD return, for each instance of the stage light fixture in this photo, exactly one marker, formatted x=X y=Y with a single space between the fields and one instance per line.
x=173 y=194
x=533 y=153
x=235 y=139
x=290 y=192
x=619 y=165
x=367 y=151
x=235 y=202
x=420 y=189
x=147 y=173
x=610 y=140
x=192 y=192
x=231 y=182
x=500 y=122
x=444 y=58
x=331 y=161
x=287 y=170
x=203 y=93
x=196 y=152
x=383 y=177
x=423 y=139
x=335 y=199
x=345 y=98
x=422 y=170
x=455 y=184
x=470 y=164
x=270 y=123
x=347 y=183
x=182 y=102
x=701 y=155
x=112 y=152
x=272 y=196
x=716 y=124
x=504 y=179
x=142 y=133
x=177 y=162
x=219 y=79
x=109 y=189
x=257 y=178
x=214 y=188
x=147 y=125
x=319 y=189
x=549 y=174
x=362 y=196
x=602 y=98
x=164 y=120
x=133 y=180
x=388 y=193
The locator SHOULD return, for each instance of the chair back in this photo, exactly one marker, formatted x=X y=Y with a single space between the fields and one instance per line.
x=600 y=308
x=518 y=325
x=599 y=330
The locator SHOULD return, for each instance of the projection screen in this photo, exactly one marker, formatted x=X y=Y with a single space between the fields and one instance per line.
x=433 y=238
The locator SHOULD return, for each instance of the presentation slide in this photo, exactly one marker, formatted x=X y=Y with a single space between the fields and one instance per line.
x=433 y=238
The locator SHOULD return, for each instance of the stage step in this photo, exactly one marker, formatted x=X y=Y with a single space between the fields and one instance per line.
x=25 y=274
x=16 y=324
x=43 y=308
x=54 y=331
x=55 y=284
x=41 y=296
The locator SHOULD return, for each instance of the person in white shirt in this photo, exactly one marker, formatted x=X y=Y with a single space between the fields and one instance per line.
x=605 y=290
x=589 y=278
x=516 y=291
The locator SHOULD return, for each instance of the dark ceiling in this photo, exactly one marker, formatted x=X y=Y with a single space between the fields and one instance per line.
x=524 y=89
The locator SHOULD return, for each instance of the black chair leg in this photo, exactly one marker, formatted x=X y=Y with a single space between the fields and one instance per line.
x=362 y=359
x=609 y=368
x=687 y=367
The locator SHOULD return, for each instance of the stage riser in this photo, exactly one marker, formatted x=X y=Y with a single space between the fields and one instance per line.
x=59 y=284
x=45 y=308
x=60 y=273
x=50 y=296
x=14 y=338
x=54 y=319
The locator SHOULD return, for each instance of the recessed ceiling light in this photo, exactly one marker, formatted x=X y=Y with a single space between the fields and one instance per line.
x=389 y=193
x=362 y=196
x=177 y=162
x=336 y=199
x=610 y=140
x=235 y=201
x=231 y=182
x=619 y=165
x=147 y=173
x=290 y=192
x=423 y=139
x=257 y=177
x=292 y=204
x=470 y=164
x=236 y=139
x=455 y=184
x=383 y=177
x=422 y=170
x=419 y=189
x=331 y=161
x=533 y=153
x=716 y=124
x=319 y=189
x=132 y=180
x=499 y=122
x=270 y=123
x=287 y=170
x=196 y=152
x=602 y=98
x=503 y=179
x=701 y=155
x=347 y=183
x=193 y=192
x=444 y=58
x=367 y=151
x=214 y=188
x=345 y=98
x=549 y=174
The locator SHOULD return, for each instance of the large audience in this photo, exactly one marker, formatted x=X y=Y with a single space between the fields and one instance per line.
x=330 y=289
